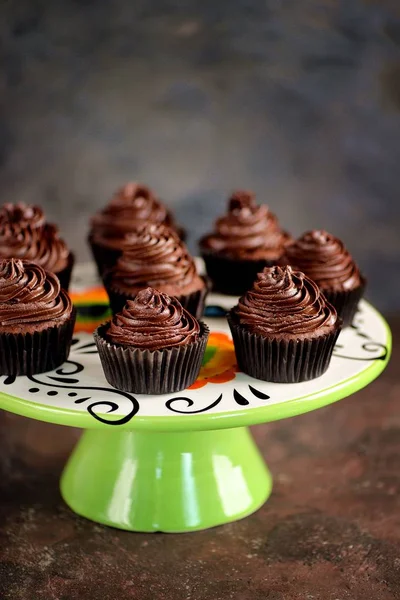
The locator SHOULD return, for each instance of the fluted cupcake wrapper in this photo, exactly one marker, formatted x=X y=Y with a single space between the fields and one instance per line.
x=37 y=352
x=64 y=276
x=346 y=302
x=151 y=371
x=105 y=258
x=233 y=276
x=281 y=361
x=193 y=302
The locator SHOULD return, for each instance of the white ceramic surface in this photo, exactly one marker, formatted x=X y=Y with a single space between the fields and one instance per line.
x=80 y=381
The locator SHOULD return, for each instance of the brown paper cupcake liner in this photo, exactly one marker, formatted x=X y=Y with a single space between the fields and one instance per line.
x=65 y=275
x=193 y=303
x=233 y=276
x=281 y=361
x=38 y=352
x=151 y=372
x=105 y=258
x=346 y=302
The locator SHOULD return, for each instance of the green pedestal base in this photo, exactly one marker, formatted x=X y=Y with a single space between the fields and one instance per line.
x=171 y=482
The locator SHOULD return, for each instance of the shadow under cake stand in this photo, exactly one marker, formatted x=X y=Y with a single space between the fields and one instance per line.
x=182 y=461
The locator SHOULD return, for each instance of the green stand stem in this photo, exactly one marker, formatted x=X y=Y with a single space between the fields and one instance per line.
x=172 y=482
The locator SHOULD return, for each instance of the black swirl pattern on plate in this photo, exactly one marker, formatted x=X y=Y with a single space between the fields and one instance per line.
x=64 y=380
x=370 y=350
x=67 y=378
x=175 y=404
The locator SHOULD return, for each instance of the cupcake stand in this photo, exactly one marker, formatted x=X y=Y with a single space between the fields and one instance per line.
x=182 y=461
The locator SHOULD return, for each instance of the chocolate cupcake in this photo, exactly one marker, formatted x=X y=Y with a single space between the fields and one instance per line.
x=323 y=258
x=156 y=257
x=246 y=239
x=36 y=319
x=154 y=346
x=37 y=243
x=25 y=234
x=133 y=205
x=283 y=329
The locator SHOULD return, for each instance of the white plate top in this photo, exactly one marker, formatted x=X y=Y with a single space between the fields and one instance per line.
x=78 y=394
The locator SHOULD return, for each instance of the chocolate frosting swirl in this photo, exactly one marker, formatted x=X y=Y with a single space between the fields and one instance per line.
x=156 y=257
x=324 y=258
x=153 y=321
x=247 y=230
x=41 y=245
x=285 y=303
x=20 y=215
x=29 y=295
x=132 y=205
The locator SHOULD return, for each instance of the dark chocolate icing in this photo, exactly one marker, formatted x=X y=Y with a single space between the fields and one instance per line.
x=324 y=258
x=285 y=303
x=247 y=231
x=153 y=321
x=41 y=245
x=29 y=296
x=131 y=206
x=156 y=257
x=17 y=216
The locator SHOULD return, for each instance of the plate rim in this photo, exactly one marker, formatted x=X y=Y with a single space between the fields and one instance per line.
x=207 y=421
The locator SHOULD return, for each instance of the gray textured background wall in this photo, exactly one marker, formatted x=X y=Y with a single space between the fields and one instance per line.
x=296 y=99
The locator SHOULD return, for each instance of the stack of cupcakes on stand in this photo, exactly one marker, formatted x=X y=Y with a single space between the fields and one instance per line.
x=131 y=206
x=24 y=234
x=295 y=295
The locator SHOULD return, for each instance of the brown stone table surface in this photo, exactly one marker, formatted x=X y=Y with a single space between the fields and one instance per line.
x=330 y=531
